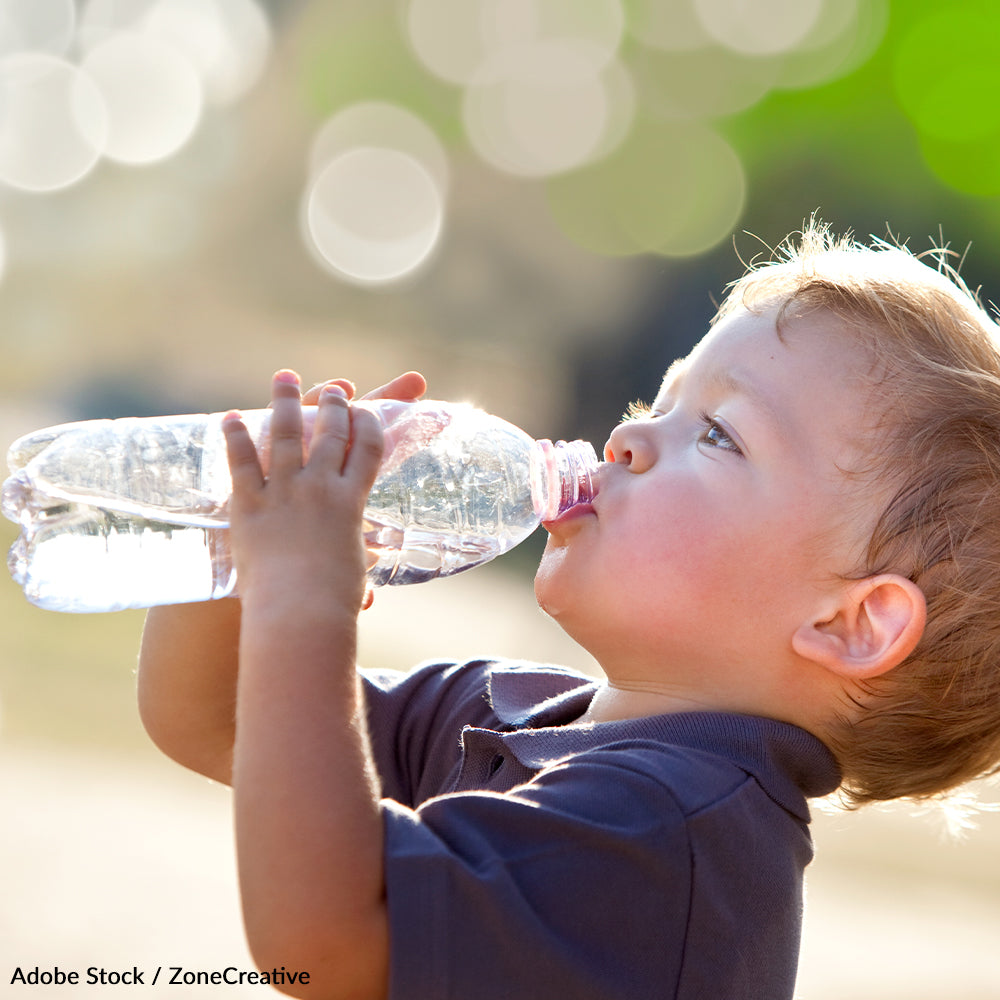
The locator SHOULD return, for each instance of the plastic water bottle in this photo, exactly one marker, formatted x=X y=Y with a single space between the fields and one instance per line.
x=132 y=513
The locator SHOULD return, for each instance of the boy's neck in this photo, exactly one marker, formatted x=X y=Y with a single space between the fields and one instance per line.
x=613 y=703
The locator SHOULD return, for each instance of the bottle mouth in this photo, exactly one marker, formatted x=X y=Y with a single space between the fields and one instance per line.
x=563 y=475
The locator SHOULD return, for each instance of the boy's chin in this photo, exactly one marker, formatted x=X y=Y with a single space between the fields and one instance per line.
x=551 y=592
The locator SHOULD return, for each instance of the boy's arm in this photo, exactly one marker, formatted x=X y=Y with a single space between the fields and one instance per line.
x=188 y=661
x=308 y=826
x=187 y=683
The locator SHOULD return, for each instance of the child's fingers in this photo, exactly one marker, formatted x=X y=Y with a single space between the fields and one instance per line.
x=311 y=397
x=332 y=430
x=244 y=465
x=286 y=424
x=408 y=387
x=367 y=446
x=346 y=438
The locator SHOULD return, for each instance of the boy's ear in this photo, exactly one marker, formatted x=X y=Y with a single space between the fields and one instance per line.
x=877 y=624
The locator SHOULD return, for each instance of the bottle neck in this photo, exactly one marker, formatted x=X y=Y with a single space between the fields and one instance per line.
x=562 y=476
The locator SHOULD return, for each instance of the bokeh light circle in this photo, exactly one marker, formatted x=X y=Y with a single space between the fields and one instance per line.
x=622 y=100
x=373 y=215
x=447 y=37
x=670 y=189
x=674 y=27
x=705 y=83
x=455 y=39
x=538 y=110
x=100 y=19
x=227 y=41
x=36 y=26
x=53 y=122
x=845 y=35
x=152 y=93
x=758 y=27
x=597 y=24
x=380 y=125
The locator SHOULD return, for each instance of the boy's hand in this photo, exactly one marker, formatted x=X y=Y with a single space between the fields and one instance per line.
x=296 y=534
x=407 y=388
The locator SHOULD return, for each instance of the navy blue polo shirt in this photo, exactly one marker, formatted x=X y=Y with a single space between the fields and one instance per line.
x=532 y=856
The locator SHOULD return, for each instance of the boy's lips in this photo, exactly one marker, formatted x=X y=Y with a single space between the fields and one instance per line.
x=578 y=512
x=572 y=514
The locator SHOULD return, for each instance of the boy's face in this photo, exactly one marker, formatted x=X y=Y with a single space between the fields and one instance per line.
x=723 y=517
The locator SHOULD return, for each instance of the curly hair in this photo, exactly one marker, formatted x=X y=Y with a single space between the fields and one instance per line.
x=933 y=722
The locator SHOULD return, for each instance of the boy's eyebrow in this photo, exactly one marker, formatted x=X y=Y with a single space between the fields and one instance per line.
x=729 y=382
x=739 y=384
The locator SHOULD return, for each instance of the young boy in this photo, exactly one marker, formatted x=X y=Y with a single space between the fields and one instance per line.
x=789 y=579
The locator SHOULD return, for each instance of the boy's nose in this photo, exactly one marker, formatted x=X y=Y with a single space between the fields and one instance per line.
x=630 y=446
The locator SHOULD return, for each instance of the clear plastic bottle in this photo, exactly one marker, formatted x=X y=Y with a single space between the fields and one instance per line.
x=132 y=513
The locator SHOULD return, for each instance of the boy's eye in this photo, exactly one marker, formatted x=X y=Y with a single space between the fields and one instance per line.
x=715 y=436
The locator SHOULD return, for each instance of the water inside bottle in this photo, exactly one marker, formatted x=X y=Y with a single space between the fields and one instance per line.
x=78 y=558
x=416 y=556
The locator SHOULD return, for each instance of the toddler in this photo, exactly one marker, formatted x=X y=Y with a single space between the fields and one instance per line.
x=788 y=578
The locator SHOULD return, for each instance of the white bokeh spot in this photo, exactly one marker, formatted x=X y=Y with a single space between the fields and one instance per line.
x=53 y=122
x=758 y=27
x=373 y=215
x=36 y=26
x=152 y=92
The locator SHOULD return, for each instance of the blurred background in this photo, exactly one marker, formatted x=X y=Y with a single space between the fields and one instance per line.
x=537 y=203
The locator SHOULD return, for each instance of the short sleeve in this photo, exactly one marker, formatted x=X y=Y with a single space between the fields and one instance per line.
x=565 y=887
x=415 y=722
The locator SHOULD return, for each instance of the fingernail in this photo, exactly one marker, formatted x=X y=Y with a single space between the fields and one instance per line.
x=287 y=375
x=334 y=390
x=326 y=382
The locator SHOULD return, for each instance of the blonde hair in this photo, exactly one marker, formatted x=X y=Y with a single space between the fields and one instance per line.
x=933 y=722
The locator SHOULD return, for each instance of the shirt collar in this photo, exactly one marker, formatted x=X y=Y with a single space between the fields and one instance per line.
x=541 y=703
x=537 y=695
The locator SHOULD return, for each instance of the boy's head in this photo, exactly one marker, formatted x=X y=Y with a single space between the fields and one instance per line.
x=883 y=472
x=932 y=478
